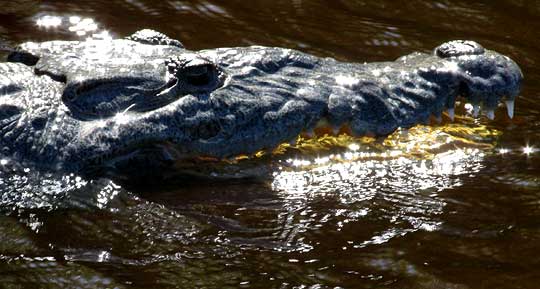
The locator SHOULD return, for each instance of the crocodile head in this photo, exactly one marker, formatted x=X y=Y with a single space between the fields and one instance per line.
x=142 y=103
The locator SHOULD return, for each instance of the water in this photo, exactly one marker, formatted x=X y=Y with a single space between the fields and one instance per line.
x=465 y=219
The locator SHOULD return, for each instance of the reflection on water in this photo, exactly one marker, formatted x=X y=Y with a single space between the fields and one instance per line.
x=446 y=206
x=405 y=189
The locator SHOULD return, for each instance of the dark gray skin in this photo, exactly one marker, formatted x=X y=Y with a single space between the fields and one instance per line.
x=145 y=101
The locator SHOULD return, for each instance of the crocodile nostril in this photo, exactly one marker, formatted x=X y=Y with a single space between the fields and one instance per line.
x=458 y=48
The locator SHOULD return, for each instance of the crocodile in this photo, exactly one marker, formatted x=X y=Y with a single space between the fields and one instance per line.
x=141 y=103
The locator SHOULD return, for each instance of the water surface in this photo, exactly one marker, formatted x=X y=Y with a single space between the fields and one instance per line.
x=464 y=218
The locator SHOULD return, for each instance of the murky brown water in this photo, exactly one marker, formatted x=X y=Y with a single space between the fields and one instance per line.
x=465 y=219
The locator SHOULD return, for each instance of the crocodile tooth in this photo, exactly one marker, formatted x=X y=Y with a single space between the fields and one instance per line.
x=490 y=113
x=451 y=113
x=476 y=110
x=510 y=108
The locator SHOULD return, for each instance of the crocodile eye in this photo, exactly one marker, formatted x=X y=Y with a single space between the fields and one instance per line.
x=194 y=73
x=200 y=75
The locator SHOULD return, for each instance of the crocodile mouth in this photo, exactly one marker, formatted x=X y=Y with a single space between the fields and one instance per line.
x=164 y=159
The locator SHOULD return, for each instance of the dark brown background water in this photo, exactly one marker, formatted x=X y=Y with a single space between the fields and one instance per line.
x=369 y=225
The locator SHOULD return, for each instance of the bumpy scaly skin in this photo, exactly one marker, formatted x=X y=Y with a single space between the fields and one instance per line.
x=146 y=99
